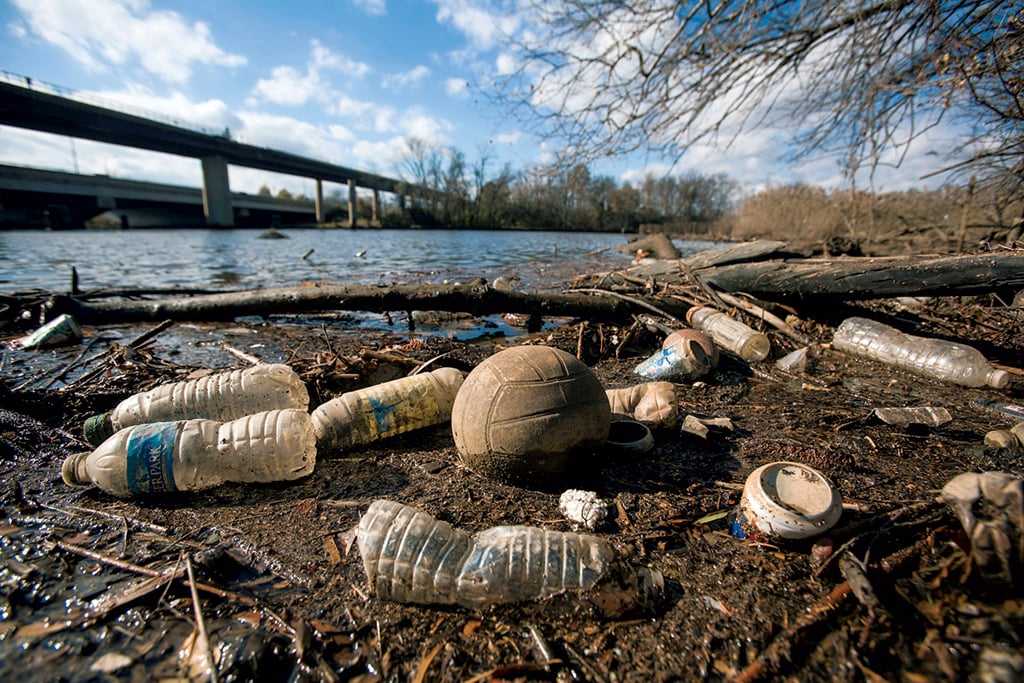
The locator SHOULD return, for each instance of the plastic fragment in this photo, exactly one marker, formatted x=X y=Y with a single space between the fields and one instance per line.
x=990 y=506
x=924 y=415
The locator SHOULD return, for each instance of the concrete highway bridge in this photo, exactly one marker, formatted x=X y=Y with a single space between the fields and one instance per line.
x=55 y=199
x=30 y=105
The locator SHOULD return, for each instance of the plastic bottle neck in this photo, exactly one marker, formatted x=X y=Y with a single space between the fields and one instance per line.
x=73 y=470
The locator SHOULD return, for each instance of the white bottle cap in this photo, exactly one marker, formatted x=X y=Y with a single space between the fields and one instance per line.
x=997 y=379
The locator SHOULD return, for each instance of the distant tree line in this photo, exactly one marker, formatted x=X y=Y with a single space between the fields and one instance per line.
x=461 y=194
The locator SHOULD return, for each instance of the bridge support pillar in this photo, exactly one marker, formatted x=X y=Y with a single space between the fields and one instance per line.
x=351 y=203
x=318 y=201
x=217 y=192
x=375 y=207
x=401 y=202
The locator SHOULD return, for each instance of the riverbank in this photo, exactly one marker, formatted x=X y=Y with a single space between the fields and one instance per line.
x=280 y=586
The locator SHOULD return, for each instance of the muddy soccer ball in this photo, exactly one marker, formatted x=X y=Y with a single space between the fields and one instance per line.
x=529 y=414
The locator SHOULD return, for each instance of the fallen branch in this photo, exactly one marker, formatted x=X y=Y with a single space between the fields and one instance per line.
x=478 y=298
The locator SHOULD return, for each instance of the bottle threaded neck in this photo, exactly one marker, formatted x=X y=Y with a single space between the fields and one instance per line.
x=73 y=470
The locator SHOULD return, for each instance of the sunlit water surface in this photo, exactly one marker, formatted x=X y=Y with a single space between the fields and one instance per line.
x=241 y=259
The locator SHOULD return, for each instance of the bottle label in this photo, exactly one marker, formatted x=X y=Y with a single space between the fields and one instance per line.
x=149 y=457
x=399 y=410
x=662 y=365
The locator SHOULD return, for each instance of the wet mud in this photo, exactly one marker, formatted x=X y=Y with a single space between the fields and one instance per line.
x=266 y=582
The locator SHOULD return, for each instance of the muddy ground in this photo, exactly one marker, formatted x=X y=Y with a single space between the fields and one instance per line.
x=96 y=588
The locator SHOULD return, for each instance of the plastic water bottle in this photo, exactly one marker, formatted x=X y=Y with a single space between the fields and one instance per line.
x=387 y=409
x=223 y=396
x=685 y=353
x=729 y=333
x=190 y=455
x=935 y=358
x=653 y=403
x=411 y=557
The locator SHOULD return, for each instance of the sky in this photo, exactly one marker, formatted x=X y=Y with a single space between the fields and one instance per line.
x=345 y=81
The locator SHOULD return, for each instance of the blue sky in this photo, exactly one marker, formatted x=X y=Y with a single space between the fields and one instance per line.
x=347 y=81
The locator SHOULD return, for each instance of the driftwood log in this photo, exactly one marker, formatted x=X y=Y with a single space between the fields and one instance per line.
x=853 y=278
x=657 y=245
x=477 y=298
x=870 y=278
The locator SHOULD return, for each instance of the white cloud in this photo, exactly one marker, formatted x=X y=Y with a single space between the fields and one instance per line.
x=481 y=23
x=289 y=87
x=372 y=7
x=505 y=64
x=433 y=131
x=457 y=87
x=508 y=138
x=105 y=33
x=405 y=79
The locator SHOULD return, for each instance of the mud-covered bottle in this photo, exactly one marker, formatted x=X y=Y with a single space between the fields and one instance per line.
x=387 y=409
x=729 y=333
x=190 y=455
x=935 y=358
x=221 y=396
x=410 y=556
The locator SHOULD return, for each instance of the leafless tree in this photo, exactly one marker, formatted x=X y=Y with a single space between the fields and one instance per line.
x=856 y=78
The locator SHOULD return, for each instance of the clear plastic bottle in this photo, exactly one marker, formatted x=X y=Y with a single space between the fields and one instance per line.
x=222 y=396
x=189 y=455
x=411 y=557
x=935 y=358
x=652 y=402
x=387 y=409
x=729 y=333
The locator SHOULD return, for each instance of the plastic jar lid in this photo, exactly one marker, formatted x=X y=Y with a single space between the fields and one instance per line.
x=627 y=434
x=788 y=500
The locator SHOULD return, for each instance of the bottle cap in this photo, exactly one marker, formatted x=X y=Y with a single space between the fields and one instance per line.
x=997 y=379
x=69 y=470
x=98 y=428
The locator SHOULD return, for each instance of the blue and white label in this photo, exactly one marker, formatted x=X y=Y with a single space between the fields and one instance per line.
x=662 y=365
x=149 y=459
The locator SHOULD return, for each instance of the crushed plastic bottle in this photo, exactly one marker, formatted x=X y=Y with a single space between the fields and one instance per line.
x=684 y=354
x=729 y=333
x=935 y=358
x=411 y=557
x=652 y=402
x=190 y=455
x=222 y=396
x=387 y=409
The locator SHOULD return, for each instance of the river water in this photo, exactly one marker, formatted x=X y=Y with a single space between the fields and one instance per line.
x=241 y=259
